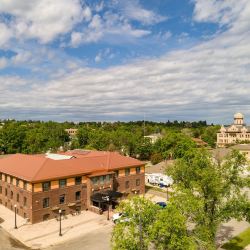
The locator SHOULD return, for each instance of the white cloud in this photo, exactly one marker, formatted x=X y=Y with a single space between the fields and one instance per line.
x=43 y=20
x=108 y=27
x=132 y=9
x=209 y=81
x=104 y=54
x=5 y=34
x=98 y=58
x=3 y=62
x=218 y=11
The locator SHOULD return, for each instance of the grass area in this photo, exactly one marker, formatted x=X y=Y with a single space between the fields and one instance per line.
x=239 y=242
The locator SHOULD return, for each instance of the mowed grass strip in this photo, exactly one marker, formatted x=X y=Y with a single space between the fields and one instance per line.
x=238 y=242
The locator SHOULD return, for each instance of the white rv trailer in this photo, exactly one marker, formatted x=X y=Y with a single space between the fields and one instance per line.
x=159 y=179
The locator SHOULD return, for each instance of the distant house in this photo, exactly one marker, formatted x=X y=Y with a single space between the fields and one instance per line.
x=71 y=131
x=236 y=132
x=153 y=137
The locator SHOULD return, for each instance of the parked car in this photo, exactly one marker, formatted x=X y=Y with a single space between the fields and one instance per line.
x=120 y=217
x=162 y=204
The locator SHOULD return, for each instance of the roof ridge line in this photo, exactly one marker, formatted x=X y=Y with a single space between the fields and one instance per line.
x=46 y=159
x=108 y=160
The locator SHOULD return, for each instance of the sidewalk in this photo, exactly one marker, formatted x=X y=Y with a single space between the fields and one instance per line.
x=45 y=234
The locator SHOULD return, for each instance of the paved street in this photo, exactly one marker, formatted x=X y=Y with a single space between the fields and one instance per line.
x=98 y=240
x=8 y=243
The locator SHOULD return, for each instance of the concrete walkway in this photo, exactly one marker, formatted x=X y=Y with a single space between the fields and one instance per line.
x=45 y=234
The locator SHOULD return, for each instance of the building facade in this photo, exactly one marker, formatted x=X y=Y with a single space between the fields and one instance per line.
x=40 y=185
x=71 y=131
x=234 y=133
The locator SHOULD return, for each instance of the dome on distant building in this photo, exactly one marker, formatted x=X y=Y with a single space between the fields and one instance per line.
x=238 y=116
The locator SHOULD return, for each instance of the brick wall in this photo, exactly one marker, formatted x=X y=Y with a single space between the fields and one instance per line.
x=53 y=210
x=9 y=202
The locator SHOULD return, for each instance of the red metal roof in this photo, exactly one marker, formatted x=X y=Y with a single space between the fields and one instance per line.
x=36 y=168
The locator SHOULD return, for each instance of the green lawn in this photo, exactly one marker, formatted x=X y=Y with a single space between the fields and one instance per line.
x=239 y=242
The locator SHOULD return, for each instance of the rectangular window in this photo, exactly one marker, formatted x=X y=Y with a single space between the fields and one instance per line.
x=17 y=182
x=116 y=173
x=138 y=170
x=46 y=186
x=17 y=197
x=101 y=179
x=25 y=185
x=6 y=192
x=78 y=180
x=11 y=194
x=1 y=176
x=108 y=177
x=78 y=195
x=137 y=182
x=62 y=199
x=127 y=184
x=11 y=180
x=62 y=183
x=0 y=189
x=5 y=178
x=45 y=202
x=127 y=171
x=95 y=180
x=25 y=201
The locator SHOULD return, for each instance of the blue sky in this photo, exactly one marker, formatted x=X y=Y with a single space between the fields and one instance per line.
x=116 y=60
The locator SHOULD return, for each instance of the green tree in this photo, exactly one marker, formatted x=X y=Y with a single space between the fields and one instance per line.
x=134 y=234
x=209 y=192
x=209 y=135
x=12 y=137
x=169 y=231
x=82 y=136
x=173 y=145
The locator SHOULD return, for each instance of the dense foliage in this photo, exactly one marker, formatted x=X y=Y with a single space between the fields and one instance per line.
x=125 y=137
x=210 y=192
x=206 y=194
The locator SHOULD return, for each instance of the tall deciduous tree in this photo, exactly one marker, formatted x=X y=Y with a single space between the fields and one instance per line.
x=134 y=234
x=169 y=230
x=148 y=225
x=210 y=192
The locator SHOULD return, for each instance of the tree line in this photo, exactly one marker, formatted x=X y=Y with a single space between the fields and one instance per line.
x=125 y=137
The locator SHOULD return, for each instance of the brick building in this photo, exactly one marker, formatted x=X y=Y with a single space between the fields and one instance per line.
x=40 y=185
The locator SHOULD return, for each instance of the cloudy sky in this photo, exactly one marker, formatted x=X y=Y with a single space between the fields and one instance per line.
x=113 y=60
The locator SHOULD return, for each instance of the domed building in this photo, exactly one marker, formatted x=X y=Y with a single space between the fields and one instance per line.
x=234 y=133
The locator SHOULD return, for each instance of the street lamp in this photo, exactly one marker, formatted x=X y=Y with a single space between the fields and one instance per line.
x=107 y=198
x=15 y=217
x=60 y=222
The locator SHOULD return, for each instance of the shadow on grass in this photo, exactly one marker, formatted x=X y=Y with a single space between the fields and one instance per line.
x=234 y=244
